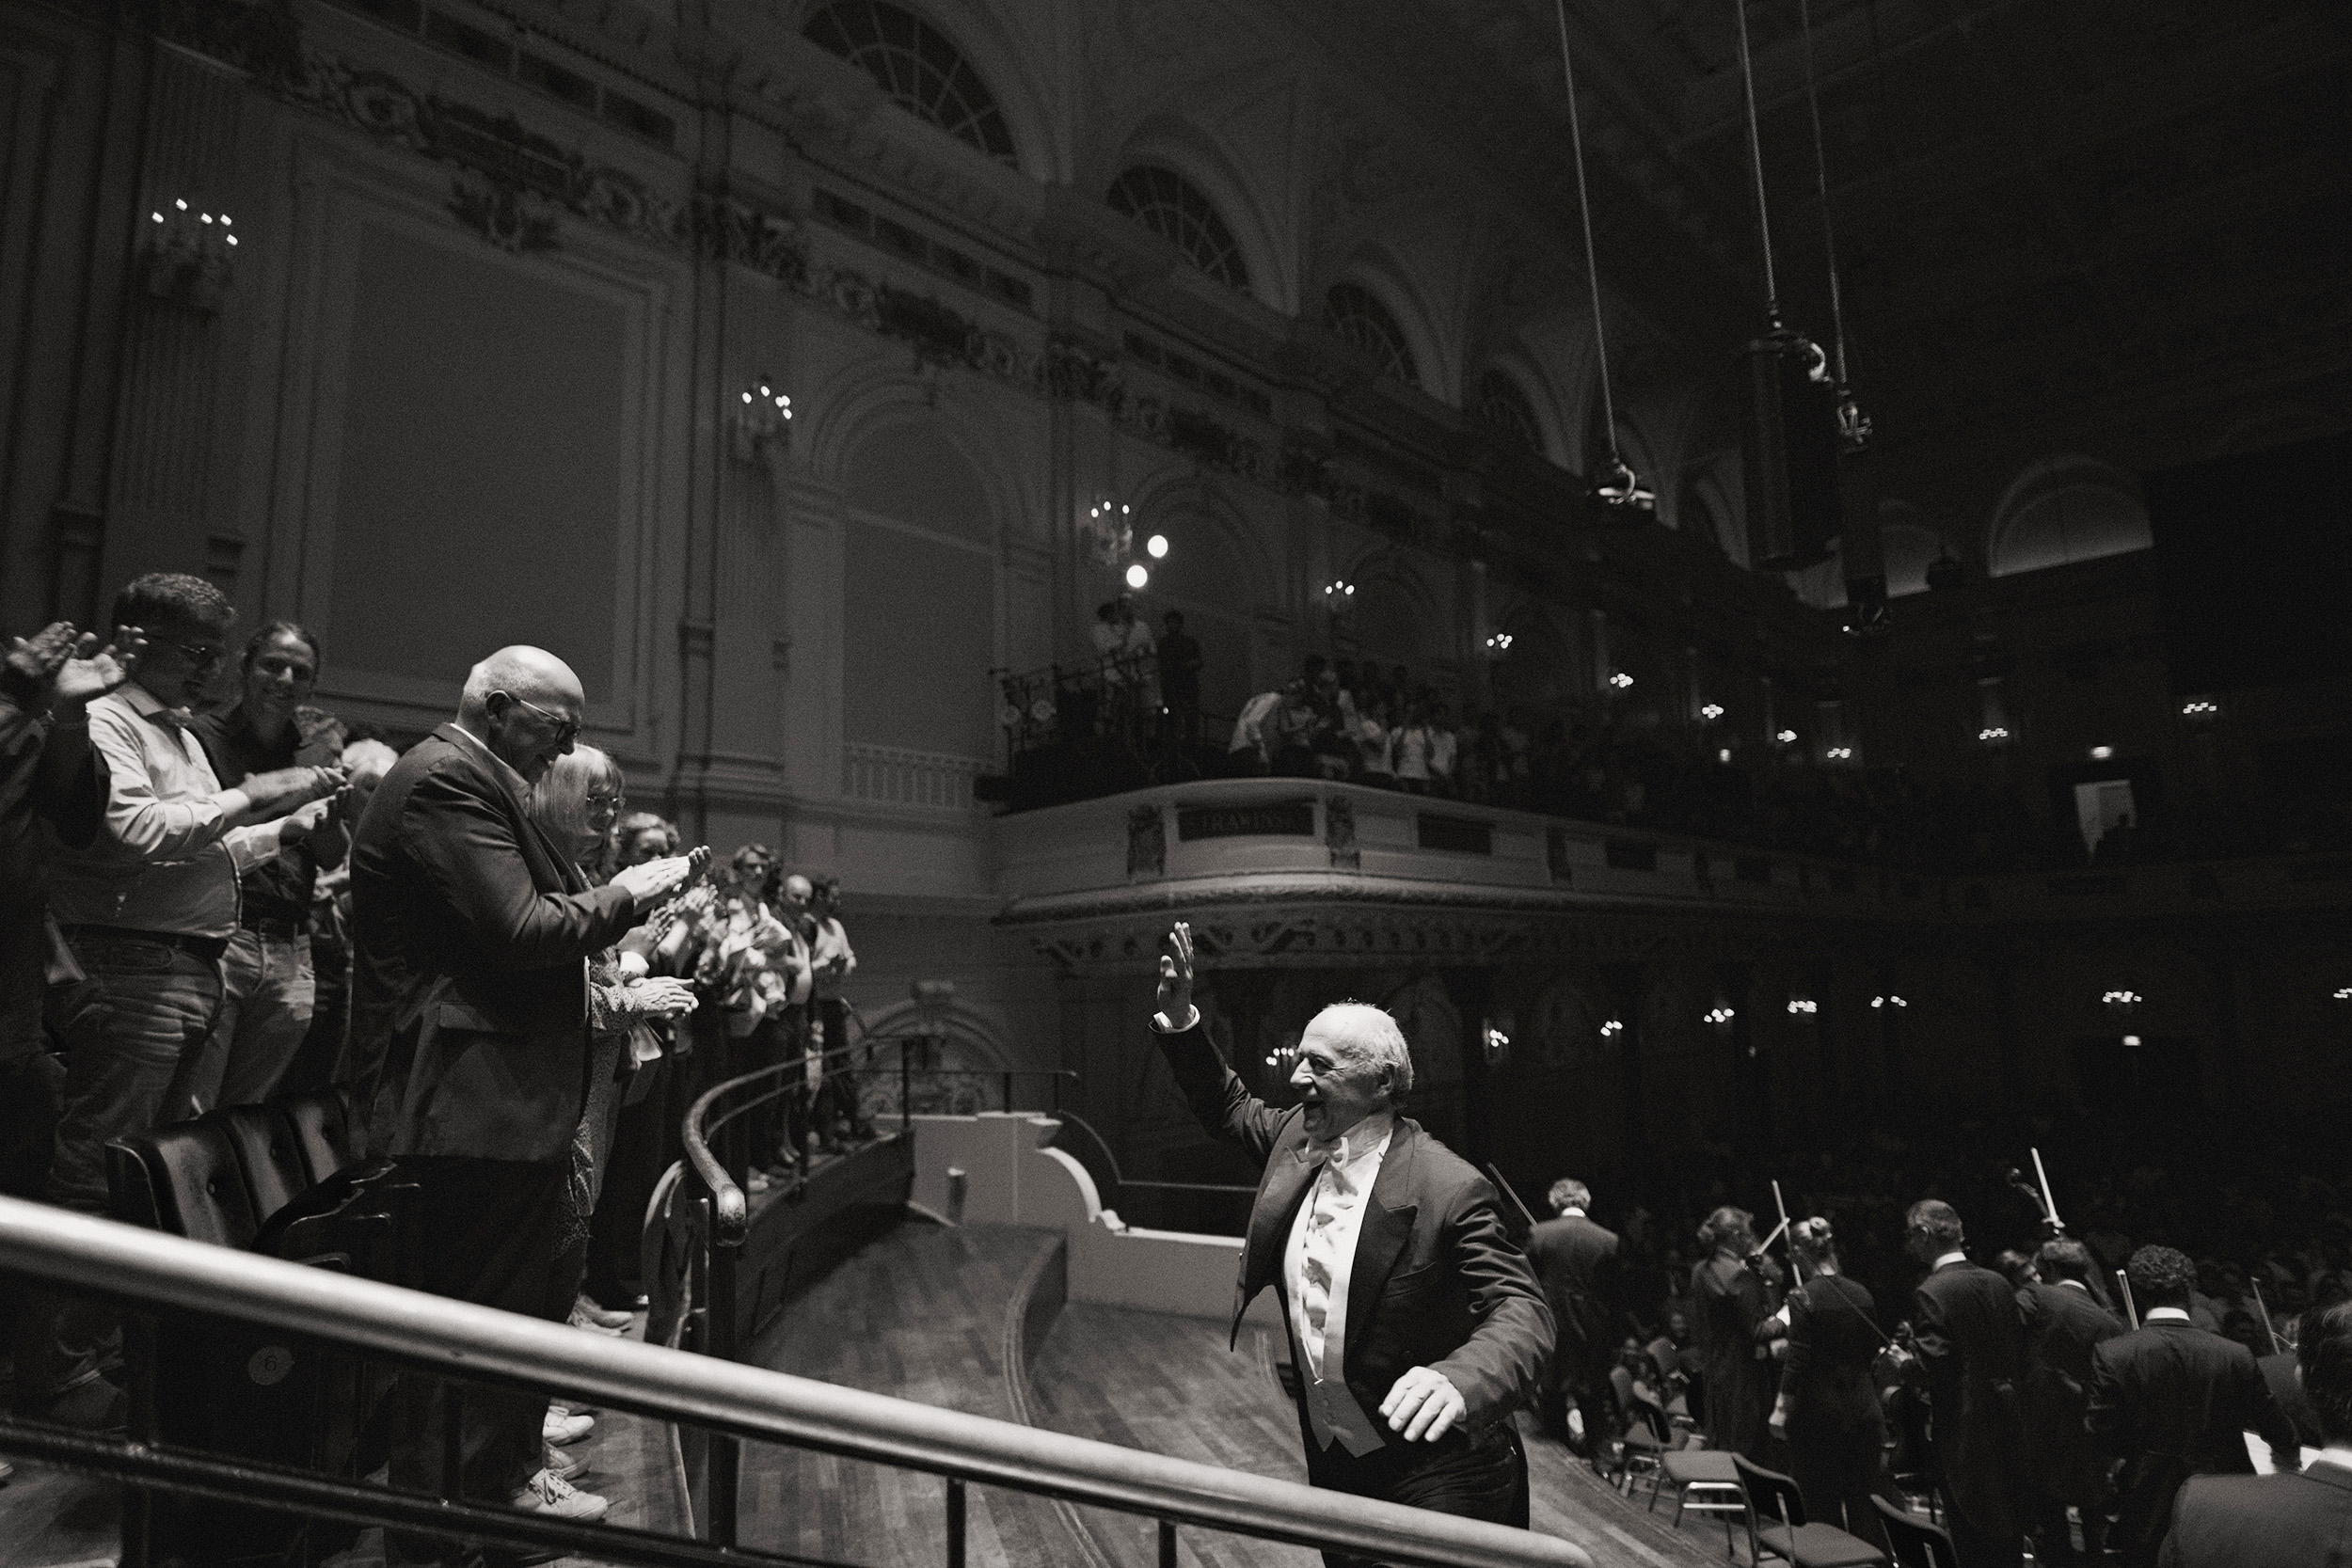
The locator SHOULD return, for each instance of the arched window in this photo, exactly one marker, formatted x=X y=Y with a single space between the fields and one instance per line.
x=914 y=62
x=1174 y=208
x=1356 y=317
x=1507 y=415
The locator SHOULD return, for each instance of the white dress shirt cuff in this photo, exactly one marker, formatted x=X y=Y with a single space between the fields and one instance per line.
x=1160 y=1022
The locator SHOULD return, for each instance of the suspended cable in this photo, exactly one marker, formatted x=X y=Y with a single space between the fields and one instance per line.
x=1619 y=487
x=1820 y=185
x=1756 y=162
x=1853 y=426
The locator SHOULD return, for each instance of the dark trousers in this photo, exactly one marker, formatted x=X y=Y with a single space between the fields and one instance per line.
x=632 y=1168
x=1982 y=1543
x=492 y=1232
x=2058 y=1542
x=1840 y=1469
x=1483 y=1477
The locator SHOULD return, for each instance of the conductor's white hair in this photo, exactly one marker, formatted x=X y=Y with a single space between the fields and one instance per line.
x=1371 y=1037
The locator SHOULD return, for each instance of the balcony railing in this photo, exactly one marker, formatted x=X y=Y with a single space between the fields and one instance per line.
x=152 y=1272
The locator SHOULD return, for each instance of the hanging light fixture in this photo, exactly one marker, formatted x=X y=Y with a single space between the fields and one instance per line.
x=1618 y=485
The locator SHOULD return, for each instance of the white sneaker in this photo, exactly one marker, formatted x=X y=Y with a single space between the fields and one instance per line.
x=561 y=1430
x=548 y=1493
x=563 y=1466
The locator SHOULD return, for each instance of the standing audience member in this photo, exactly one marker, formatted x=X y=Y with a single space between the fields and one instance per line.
x=47 y=773
x=1828 y=1406
x=1249 y=755
x=1971 y=1341
x=1444 y=751
x=148 y=907
x=1412 y=746
x=1732 y=1299
x=832 y=961
x=1180 y=679
x=1577 y=1262
x=268 y=989
x=2173 y=1400
x=2063 y=1324
x=798 y=1105
x=2282 y=1521
x=470 y=1045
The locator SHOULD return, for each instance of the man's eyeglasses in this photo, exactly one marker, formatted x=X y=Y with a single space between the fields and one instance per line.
x=203 y=657
x=566 y=730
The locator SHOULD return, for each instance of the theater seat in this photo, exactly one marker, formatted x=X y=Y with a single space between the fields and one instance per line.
x=275 y=1171
x=324 y=1131
x=185 y=1180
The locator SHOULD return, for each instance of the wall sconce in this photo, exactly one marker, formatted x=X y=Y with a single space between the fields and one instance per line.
x=2201 y=707
x=1499 y=643
x=1621 y=681
x=1803 y=1004
x=1839 y=754
x=2122 y=1002
x=1711 y=711
x=1107 y=530
x=1719 y=1017
x=1993 y=735
x=1338 y=596
x=1787 y=737
x=1890 y=1000
x=1613 y=1028
x=190 y=255
x=2100 y=753
x=2343 y=993
x=1495 y=1045
x=759 y=423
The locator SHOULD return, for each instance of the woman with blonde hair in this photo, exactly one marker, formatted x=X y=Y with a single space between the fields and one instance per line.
x=576 y=804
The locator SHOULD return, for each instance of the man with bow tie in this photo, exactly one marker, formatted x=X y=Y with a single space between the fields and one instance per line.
x=1416 y=1326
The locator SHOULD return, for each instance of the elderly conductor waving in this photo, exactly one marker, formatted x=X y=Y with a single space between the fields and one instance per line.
x=1416 y=1326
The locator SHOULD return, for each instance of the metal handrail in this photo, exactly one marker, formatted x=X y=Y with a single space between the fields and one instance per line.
x=454 y=1339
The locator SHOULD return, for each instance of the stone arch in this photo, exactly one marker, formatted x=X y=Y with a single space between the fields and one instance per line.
x=971 y=1030
x=1195 y=152
x=868 y=398
x=1001 y=61
x=1516 y=369
x=1217 y=571
x=1395 y=612
x=1538 y=669
x=1377 y=270
x=1910 y=545
x=2063 y=510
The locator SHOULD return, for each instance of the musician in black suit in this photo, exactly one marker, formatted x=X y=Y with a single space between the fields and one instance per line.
x=1971 y=1344
x=1577 y=1262
x=1828 y=1406
x=2282 y=1521
x=1416 y=1326
x=2063 y=1466
x=2285 y=1380
x=2173 y=1400
x=470 y=1041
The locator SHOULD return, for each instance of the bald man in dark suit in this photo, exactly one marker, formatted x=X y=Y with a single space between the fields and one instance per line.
x=1971 y=1341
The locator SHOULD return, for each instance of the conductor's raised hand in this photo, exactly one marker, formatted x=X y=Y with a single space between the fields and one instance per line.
x=1176 y=977
x=1423 y=1405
